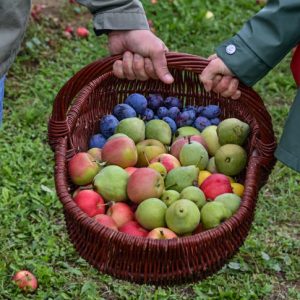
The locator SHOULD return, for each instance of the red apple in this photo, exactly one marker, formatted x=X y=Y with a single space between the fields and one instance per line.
x=106 y=220
x=216 y=184
x=134 y=228
x=82 y=32
x=169 y=161
x=130 y=170
x=180 y=142
x=81 y=188
x=120 y=151
x=90 y=202
x=161 y=233
x=121 y=213
x=83 y=168
x=144 y=183
x=26 y=281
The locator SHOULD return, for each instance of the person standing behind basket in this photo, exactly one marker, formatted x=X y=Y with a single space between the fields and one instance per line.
x=123 y=20
x=249 y=55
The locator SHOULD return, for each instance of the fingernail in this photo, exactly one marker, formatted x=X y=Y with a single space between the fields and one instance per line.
x=168 y=78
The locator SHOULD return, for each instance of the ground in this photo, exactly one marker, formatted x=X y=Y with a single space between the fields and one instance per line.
x=32 y=229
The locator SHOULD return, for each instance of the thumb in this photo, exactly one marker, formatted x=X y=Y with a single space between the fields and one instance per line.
x=160 y=65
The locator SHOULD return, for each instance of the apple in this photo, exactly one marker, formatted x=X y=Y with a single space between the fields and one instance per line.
x=120 y=151
x=26 y=281
x=106 y=220
x=169 y=161
x=96 y=153
x=83 y=168
x=81 y=188
x=134 y=228
x=121 y=213
x=181 y=141
x=130 y=170
x=82 y=32
x=213 y=214
x=111 y=183
x=151 y=213
x=147 y=150
x=144 y=183
x=215 y=185
x=90 y=202
x=161 y=233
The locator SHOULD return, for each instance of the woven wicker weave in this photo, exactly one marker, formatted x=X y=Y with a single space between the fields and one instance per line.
x=79 y=105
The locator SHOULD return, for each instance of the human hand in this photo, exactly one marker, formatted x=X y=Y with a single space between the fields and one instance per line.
x=143 y=55
x=218 y=78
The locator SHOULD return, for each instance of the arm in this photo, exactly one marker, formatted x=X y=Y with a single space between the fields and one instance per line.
x=262 y=42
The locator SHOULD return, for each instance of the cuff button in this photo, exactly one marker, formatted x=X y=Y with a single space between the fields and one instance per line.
x=230 y=49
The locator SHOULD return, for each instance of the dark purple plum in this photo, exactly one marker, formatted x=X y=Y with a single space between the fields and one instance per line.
x=171 y=123
x=201 y=122
x=211 y=111
x=138 y=102
x=123 y=111
x=154 y=101
x=172 y=102
x=173 y=112
x=108 y=124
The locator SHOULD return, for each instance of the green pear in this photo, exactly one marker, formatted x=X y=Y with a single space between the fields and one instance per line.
x=211 y=166
x=211 y=138
x=132 y=127
x=194 y=194
x=151 y=213
x=169 y=197
x=159 y=130
x=230 y=200
x=213 y=214
x=111 y=183
x=233 y=131
x=179 y=178
x=230 y=159
x=195 y=154
x=186 y=131
x=183 y=216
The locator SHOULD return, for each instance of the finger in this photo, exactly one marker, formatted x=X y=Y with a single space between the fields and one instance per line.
x=223 y=85
x=149 y=68
x=237 y=95
x=216 y=81
x=139 y=67
x=127 y=65
x=118 y=69
x=208 y=75
x=213 y=56
x=232 y=88
x=159 y=61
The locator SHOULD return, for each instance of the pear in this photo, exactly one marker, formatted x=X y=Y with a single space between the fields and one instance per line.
x=132 y=127
x=169 y=197
x=211 y=138
x=186 y=131
x=179 y=178
x=195 y=154
x=230 y=159
x=183 y=216
x=231 y=201
x=213 y=214
x=194 y=194
x=159 y=130
x=233 y=131
x=211 y=166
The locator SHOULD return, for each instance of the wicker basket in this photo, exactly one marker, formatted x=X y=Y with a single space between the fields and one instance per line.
x=93 y=92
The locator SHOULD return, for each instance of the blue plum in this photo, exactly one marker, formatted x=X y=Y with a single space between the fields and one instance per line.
x=201 y=122
x=123 y=111
x=215 y=121
x=148 y=114
x=173 y=112
x=171 y=123
x=184 y=119
x=108 y=124
x=162 y=112
x=154 y=101
x=138 y=102
x=97 y=141
x=211 y=111
x=172 y=102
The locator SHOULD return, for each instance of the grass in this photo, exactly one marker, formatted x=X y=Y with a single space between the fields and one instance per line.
x=32 y=228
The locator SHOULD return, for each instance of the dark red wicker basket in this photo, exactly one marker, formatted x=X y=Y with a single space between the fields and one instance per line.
x=79 y=105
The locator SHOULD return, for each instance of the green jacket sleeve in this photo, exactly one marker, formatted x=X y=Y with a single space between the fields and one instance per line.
x=116 y=14
x=263 y=41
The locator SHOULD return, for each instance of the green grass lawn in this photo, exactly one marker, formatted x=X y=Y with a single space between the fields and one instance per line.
x=32 y=228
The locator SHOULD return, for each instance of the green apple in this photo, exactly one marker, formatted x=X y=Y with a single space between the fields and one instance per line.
x=213 y=214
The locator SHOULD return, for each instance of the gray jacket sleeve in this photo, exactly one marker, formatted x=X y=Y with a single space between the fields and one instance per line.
x=263 y=41
x=116 y=14
x=13 y=21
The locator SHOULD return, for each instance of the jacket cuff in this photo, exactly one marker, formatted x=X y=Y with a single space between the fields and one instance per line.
x=242 y=61
x=106 y=22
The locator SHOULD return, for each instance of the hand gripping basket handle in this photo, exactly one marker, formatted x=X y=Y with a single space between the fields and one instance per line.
x=58 y=124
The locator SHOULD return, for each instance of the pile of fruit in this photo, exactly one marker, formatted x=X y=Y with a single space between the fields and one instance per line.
x=159 y=170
